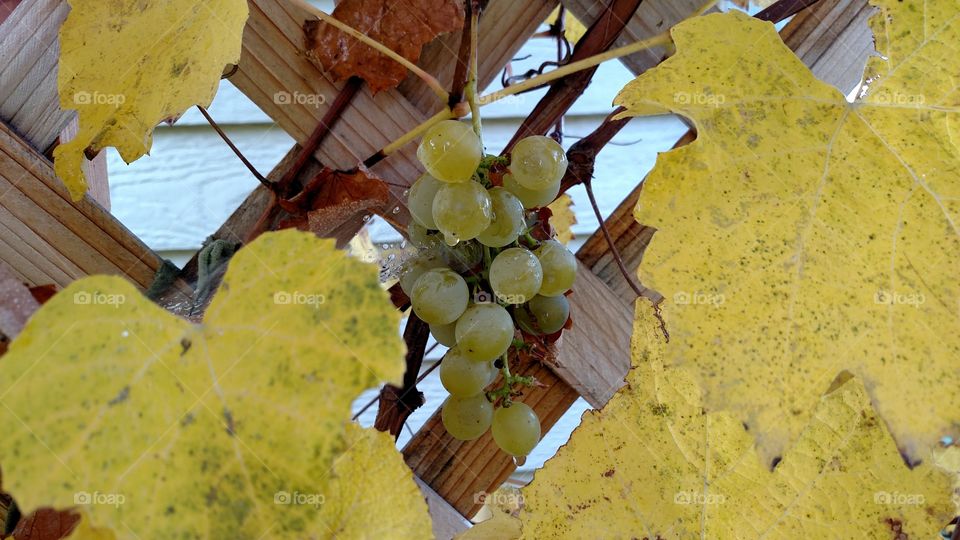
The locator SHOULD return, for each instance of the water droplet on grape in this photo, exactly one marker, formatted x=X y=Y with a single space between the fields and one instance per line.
x=124 y=334
x=396 y=210
x=519 y=460
x=451 y=239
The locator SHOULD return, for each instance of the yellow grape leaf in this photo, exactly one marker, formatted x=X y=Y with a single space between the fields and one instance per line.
x=801 y=235
x=563 y=218
x=238 y=427
x=656 y=463
x=126 y=65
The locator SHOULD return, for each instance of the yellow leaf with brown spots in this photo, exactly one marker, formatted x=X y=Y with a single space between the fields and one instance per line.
x=238 y=427
x=801 y=235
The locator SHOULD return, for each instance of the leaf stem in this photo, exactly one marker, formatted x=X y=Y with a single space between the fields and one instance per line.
x=430 y=80
x=444 y=114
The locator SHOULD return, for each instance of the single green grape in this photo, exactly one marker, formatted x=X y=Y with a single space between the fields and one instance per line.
x=538 y=162
x=484 y=332
x=467 y=418
x=531 y=198
x=439 y=296
x=420 y=200
x=515 y=275
x=445 y=334
x=450 y=151
x=559 y=268
x=461 y=376
x=543 y=314
x=516 y=429
x=462 y=211
x=508 y=219
x=413 y=268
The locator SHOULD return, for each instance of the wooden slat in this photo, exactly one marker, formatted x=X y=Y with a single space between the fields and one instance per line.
x=273 y=61
x=504 y=27
x=459 y=471
x=49 y=238
x=652 y=18
x=594 y=355
x=447 y=522
x=834 y=40
x=29 y=50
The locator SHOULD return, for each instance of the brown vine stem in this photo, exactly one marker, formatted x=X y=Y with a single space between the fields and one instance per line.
x=564 y=92
x=430 y=80
x=462 y=70
x=783 y=9
x=253 y=170
x=613 y=247
x=420 y=379
x=343 y=99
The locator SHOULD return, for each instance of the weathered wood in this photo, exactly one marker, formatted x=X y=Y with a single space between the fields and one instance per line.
x=652 y=18
x=505 y=26
x=461 y=471
x=447 y=522
x=29 y=51
x=276 y=75
x=834 y=40
x=595 y=354
x=47 y=238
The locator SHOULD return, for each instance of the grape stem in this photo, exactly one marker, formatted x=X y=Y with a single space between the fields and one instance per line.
x=445 y=114
x=573 y=67
x=430 y=80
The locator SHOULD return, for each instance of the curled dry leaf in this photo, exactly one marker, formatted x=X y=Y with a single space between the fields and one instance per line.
x=46 y=524
x=402 y=25
x=333 y=197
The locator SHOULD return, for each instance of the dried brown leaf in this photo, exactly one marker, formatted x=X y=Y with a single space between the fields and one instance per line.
x=402 y=25
x=46 y=524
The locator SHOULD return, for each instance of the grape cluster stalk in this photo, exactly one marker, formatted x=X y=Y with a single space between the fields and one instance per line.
x=481 y=279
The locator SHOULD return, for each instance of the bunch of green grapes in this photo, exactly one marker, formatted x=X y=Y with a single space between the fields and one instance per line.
x=480 y=274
